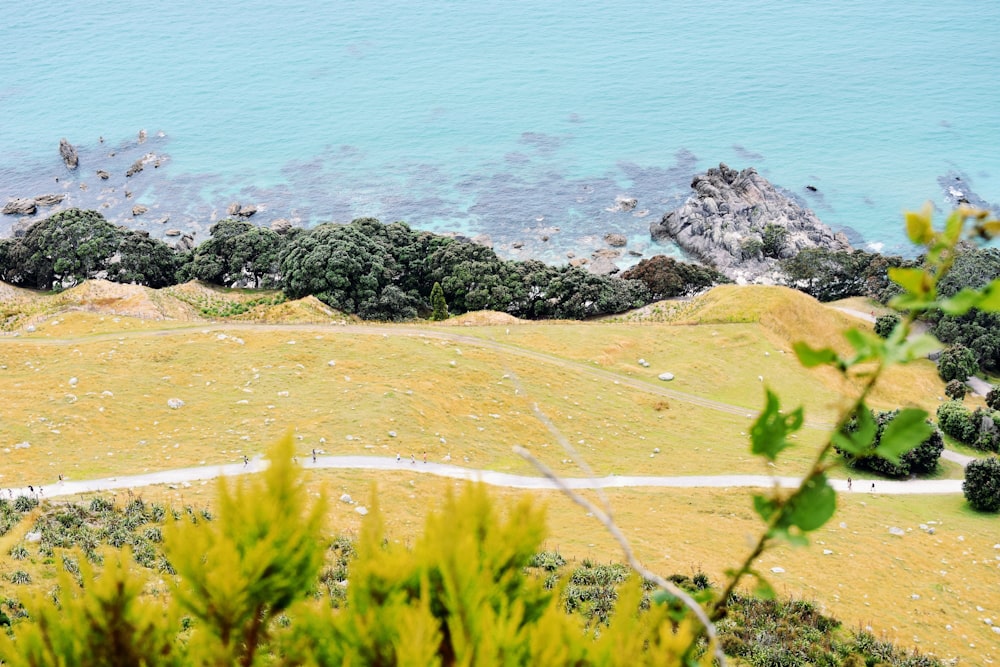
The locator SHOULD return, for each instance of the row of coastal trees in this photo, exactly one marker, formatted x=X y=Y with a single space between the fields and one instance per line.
x=388 y=271
x=377 y=271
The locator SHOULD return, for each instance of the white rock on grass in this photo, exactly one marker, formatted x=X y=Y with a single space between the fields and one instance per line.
x=777 y=570
x=361 y=509
x=175 y=403
x=73 y=382
x=33 y=537
x=897 y=531
x=666 y=377
x=392 y=434
x=346 y=498
x=23 y=445
x=331 y=363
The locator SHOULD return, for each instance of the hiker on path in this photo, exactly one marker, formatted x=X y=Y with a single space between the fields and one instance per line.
x=412 y=459
x=873 y=487
x=314 y=456
x=425 y=456
x=848 y=483
x=246 y=461
x=397 y=457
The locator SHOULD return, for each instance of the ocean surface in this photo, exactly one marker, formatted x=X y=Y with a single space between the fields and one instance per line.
x=518 y=120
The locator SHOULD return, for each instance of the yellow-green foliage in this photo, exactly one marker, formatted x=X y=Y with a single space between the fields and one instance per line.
x=461 y=595
x=106 y=621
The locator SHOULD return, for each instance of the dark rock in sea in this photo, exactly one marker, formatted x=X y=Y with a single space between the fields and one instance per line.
x=140 y=164
x=49 y=200
x=607 y=253
x=139 y=209
x=615 y=240
x=811 y=188
x=172 y=232
x=723 y=223
x=247 y=211
x=19 y=207
x=234 y=209
x=69 y=154
x=517 y=245
x=103 y=174
x=578 y=261
x=483 y=239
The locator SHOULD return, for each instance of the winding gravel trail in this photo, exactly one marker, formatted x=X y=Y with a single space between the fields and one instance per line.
x=379 y=463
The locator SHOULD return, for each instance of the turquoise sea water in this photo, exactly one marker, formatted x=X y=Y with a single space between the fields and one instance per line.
x=516 y=119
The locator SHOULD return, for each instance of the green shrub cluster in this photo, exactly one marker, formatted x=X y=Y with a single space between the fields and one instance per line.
x=921 y=460
x=982 y=484
x=978 y=428
x=666 y=278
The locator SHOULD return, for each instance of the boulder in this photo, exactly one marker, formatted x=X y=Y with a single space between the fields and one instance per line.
x=247 y=211
x=602 y=265
x=234 y=209
x=49 y=200
x=624 y=203
x=19 y=207
x=139 y=209
x=281 y=225
x=185 y=243
x=722 y=224
x=615 y=240
x=142 y=136
x=666 y=377
x=68 y=154
x=173 y=232
x=103 y=174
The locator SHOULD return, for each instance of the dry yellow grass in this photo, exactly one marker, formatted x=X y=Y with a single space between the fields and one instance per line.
x=471 y=389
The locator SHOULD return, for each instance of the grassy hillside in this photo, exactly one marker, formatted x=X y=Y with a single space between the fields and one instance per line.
x=472 y=387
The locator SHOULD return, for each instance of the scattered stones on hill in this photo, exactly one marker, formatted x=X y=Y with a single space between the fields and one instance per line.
x=175 y=403
x=643 y=363
x=666 y=377
x=346 y=498
x=361 y=509
x=73 y=381
x=898 y=532
x=69 y=155
x=741 y=224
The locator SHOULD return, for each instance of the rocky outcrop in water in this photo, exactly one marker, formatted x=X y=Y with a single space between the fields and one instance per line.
x=69 y=154
x=19 y=207
x=740 y=224
x=49 y=200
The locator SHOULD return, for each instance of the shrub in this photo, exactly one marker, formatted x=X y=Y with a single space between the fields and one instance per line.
x=982 y=484
x=993 y=398
x=773 y=240
x=25 y=503
x=956 y=390
x=20 y=577
x=957 y=363
x=884 y=324
x=956 y=420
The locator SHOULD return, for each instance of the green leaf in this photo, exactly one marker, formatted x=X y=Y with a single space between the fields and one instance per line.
x=990 y=301
x=661 y=596
x=918 y=226
x=915 y=281
x=769 y=430
x=962 y=302
x=918 y=347
x=812 y=506
x=858 y=441
x=764 y=506
x=810 y=357
x=763 y=589
x=907 y=301
x=907 y=430
x=953 y=227
x=866 y=345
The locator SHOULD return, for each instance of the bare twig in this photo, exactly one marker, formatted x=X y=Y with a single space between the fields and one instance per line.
x=605 y=519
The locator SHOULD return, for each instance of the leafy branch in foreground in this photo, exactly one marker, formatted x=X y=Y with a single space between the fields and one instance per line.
x=790 y=516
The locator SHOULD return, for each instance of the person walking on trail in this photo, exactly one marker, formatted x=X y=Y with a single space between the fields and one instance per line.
x=425 y=457
x=412 y=459
x=314 y=456
x=873 y=487
x=397 y=457
x=246 y=461
x=848 y=483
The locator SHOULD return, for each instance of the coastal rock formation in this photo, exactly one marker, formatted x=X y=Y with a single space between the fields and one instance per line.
x=281 y=225
x=237 y=209
x=49 y=200
x=615 y=240
x=185 y=243
x=103 y=174
x=19 y=207
x=138 y=209
x=140 y=164
x=68 y=154
x=624 y=204
x=739 y=223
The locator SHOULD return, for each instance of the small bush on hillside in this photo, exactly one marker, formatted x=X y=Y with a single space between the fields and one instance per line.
x=884 y=324
x=956 y=390
x=957 y=363
x=993 y=398
x=982 y=484
x=920 y=460
x=25 y=503
x=956 y=420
